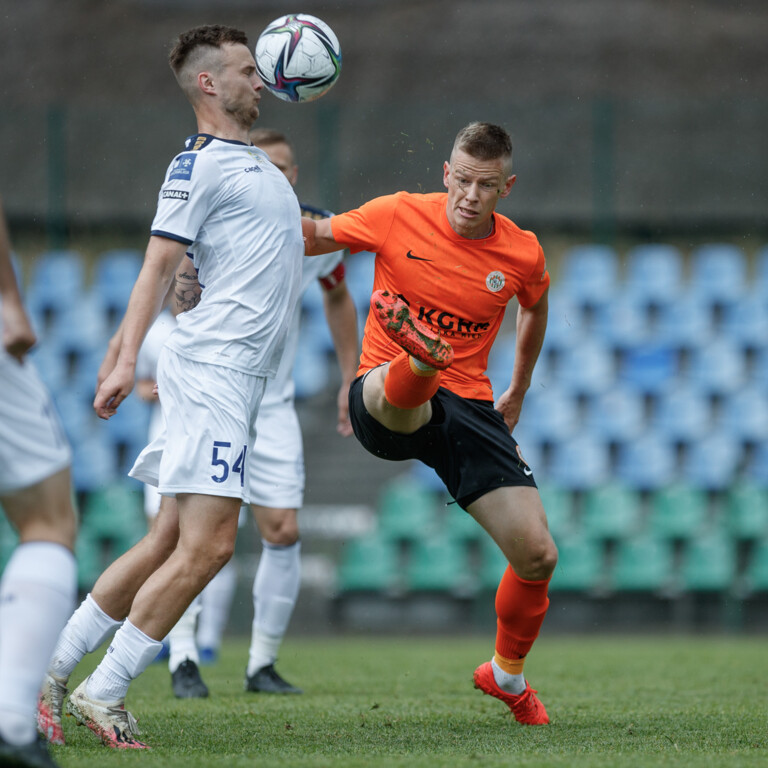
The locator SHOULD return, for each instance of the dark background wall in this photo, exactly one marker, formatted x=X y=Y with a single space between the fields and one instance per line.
x=640 y=116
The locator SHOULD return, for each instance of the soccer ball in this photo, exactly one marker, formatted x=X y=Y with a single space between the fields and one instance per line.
x=298 y=57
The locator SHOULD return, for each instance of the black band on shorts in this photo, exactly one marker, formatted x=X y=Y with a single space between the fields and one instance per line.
x=466 y=442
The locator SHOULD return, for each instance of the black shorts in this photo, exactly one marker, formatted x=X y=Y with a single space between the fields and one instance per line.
x=466 y=442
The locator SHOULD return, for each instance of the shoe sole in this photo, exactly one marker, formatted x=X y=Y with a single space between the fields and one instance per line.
x=416 y=338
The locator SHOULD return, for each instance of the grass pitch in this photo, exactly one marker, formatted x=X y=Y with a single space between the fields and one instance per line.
x=391 y=702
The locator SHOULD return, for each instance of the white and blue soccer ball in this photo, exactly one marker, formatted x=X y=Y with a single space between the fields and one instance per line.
x=298 y=57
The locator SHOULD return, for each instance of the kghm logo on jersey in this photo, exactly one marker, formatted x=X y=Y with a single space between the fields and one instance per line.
x=495 y=281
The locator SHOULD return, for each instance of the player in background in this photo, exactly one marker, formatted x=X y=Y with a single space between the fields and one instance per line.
x=39 y=583
x=446 y=267
x=223 y=200
x=276 y=481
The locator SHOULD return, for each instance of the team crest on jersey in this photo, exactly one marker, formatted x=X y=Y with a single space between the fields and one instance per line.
x=495 y=281
x=182 y=167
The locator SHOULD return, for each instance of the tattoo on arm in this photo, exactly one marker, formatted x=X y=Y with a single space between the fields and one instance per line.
x=187 y=291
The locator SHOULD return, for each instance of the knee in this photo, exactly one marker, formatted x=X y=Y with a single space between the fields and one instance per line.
x=284 y=534
x=538 y=560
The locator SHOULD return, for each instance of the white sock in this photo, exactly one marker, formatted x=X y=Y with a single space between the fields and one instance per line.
x=86 y=630
x=514 y=684
x=130 y=653
x=37 y=592
x=216 y=600
x=275 y=590
x=181 y=638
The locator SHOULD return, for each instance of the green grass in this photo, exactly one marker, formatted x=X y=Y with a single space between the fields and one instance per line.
x=613 y=701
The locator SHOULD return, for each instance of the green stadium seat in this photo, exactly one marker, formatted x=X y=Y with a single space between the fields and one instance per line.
x=407 y=510
x=438 y=564
x=709 y=563
x=115 y=514
x=747 y=511
x=580 y=565
x=461 y=525
x=757 y=568
x=492 y=564
x=90 y=560
x=643 y=563
x=611 y=512
x=8 y=540
x=558 y=504
x=368 y=564
x=678 y=512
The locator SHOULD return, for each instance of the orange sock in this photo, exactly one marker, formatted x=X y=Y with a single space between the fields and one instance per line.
x=406 y=386
x=520 y=609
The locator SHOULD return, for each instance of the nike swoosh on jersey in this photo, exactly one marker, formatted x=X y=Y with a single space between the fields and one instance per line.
x=416 y=258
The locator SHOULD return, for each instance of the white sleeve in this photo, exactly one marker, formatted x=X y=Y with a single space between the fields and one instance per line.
x=191 y=190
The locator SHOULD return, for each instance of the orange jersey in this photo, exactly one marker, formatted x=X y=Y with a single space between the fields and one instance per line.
x=459 y=286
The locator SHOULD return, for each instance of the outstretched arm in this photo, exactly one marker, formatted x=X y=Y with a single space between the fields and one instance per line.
x=341 y=315
x=318 y=237
x=18 y=335
x=531 y=326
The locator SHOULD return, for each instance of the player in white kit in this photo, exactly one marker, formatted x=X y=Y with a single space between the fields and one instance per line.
x=276 y=482
x=223 y=200
x=39 y=583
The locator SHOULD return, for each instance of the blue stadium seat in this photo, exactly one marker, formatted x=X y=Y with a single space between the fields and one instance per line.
x=56 y=281
x=646 y=463
x=76 y=412
x=114 y=275
x=579 y=463
x=81 y=327
x=717 y=368
x=310 y=371
x=648 y=369
x=718 y=272
x=761 y=271
x=621 y=323
x=565 y=323
x=685 y=323
x=744 y=414
x=745 y=322
x=549 y=415
x=51 y=364
x=130 y=423
x=585 y=369
x=589 y=273
x=682 y=414
x=615 y=416
x=654 y=274
x=759 y=368
x=712 y=464
x=359 y=278
x=94 y=464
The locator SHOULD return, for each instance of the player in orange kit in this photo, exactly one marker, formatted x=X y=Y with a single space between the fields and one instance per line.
x=447 y=265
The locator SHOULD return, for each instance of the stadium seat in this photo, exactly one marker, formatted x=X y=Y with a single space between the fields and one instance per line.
x=549 y=415
x=589 y=273
x=565 y=322
x=648 y=369
x=114 y=275
x=708 y=563
x=746 y=507
x=712 y=464
x=368 y=564
x=614 y=416
x=678 y=512
x=654 y=273
x=579 y=463
x=745 y=322
x=460 y=525
x=611 y=512
x=89 y=552
x=681 y=414
x=757 y=465
x=81 y=328
x=310 y=370
x=718 y=272
x=585 y=369
x=359 y=278
x=621 y=323
x=492 y=565
x=94 y=463
x=646 y=463
x=406 y=510
x=76 y=413
x=643 y=563
x=580 y=566
x=717 y=368
x=51 y=365
x=115 y=513
x=8 y=540
x=558 y=506
x=56 y=282
x=685 y=323
x=756 y=573
x=761 y=271
x=744 y=414
x=437 y=563
x=130 y=424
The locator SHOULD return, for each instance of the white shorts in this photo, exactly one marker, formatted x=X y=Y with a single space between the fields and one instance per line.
x=209 y=412
x=276 y=465
x=33 y=445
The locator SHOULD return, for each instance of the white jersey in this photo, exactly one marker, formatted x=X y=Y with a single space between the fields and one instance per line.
x=241 y=219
